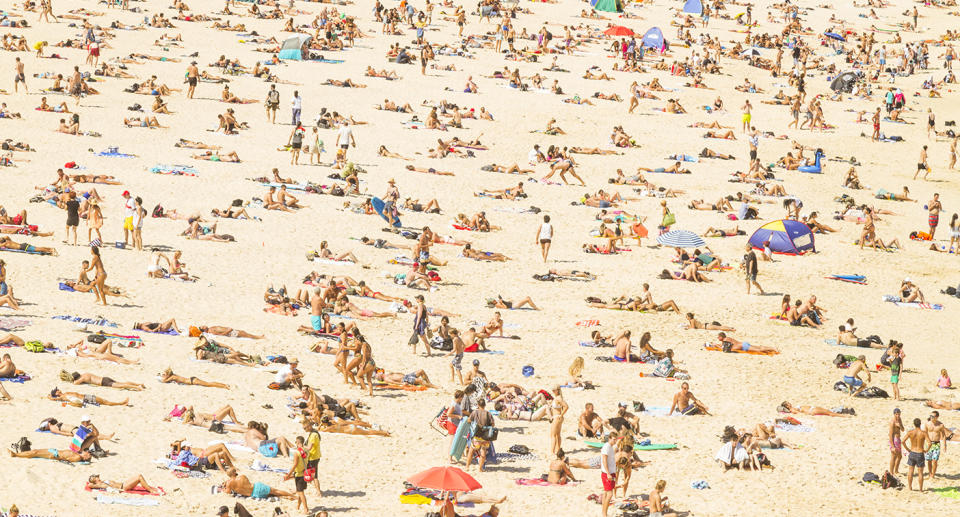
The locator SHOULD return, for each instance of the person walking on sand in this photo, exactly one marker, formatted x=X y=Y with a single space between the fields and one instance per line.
x=608 y=471
x=750 y=267
x=922 y=164
x=933 y=214
x=193 y=76
x=915 y=442
x=938 y=435
x=296 y=104
x=46 y=10
x=20 y=77
x=296 y=473
x=101 y=275
x=545 y=236
x=420 y=324
x=876 y=126
x=273 y=102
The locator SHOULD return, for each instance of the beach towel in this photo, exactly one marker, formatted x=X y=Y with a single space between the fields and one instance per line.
x=950 y=492
x=659 y=411
x=912 y=305
x=109 y=499
x=718 y=348
x=331 y=262
x=594 y=344
x=638 y=447
x=98 y=321
x=588 y=323
x=135 y=491
x=115 y=154
x=263 y=467
x=541 y=482
x=233 y=446
x=402 y=387
x=124 y=341
x=795 y=428
x=8 y=323
x=19 y=379
x=175 y=170
x=24 y=251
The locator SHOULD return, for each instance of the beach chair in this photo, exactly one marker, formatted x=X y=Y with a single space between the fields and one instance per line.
x=438 y=422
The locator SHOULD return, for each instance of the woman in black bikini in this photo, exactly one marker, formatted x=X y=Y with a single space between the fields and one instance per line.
x=169 y=377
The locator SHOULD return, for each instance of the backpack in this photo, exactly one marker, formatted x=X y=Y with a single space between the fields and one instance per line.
x=217 y=427
x=158 y=211
x=870 y=477
x=488 y=433
x=33 y=346
x=21 y=445
x=96 y=338
x=889 y=481
x=519 y=449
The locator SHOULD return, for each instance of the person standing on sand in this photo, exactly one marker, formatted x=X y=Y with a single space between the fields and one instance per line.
x=420 y=323
x=129 y=210
x=608 y=471
x=101 y=275
x=747 y=116
x=73 y=218
x=916 y=446
x=20 y=77
x=938 y=435
x=273 y=102
x=896 y=453
x=750 y=267
x=876 y=126
x=922 y=164
x=139 y=214
x=193 y=75
x=933 y=213
x=545 y=236
x=296 y=104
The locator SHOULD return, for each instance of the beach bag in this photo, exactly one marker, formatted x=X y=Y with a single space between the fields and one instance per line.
x=668 y=220
x=874 y=392
x=488 y=433
x=22 y=445
x=519 y=449
x=217 y=427
x=870 y=477
x=96 y=338
x=888 y=481
x=33 y=346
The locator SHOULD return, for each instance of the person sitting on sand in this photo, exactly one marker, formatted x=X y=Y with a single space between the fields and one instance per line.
x=910 y=293
x=729 y=344
x=695 y=324
x=94 y=482
x=168 y=377
x=78 y=400
x=590 y=424
x=65 y=455
x=78 y=379
x=560 y=473
x=686 y=404
x=786 y=407
x=60 y=108
x=227 y=96
x=8 y=370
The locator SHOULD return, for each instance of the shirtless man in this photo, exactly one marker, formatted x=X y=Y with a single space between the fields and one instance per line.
x=852 y=376
x=238 y=484
x=590 y=424
x=66 y=455
x=686 y=404
x=938 y=435
x=193 y=74
x=77 y=400
x=847 y=337
x=8 y=370
x=646 y=303
x=623 y=345
x=915 y=442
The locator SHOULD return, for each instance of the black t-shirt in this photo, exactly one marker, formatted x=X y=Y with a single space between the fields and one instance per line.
x=73 y=211
x=750 y=262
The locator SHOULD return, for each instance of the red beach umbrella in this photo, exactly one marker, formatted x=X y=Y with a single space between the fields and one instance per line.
x=448 y=479
x=618 y=30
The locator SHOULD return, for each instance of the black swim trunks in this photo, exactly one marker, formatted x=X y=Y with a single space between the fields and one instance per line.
x=107 y=382
x=192 y=81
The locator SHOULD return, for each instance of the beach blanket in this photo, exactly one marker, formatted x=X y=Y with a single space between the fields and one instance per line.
x=594 y=344
x=8 y=250
x=659 y=411
x=718 y=348
x=541 y=482
x=135 y=491
x=638 y=447
x=19 y=379
x=425 y=496
x=402 y=387
x=798 y=428
x=170 y=332
x=115 y=154
x=588 y=323
x=98 y=321
x=233 y=446
x=109 y=499
x=263 y=467
x=9 y=323
x=124 y=341
x=175 y=170
x=912 y=305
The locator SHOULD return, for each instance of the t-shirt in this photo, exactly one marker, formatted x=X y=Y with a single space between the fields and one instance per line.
x=343 y=135
x=750 y=262
x=313 y=446
x=533 y=156
x=282 y=374
x=296 y=102
x=482 y=418
x=73 y=209
x=608 y=459
x=130 y=207
x=273 y=97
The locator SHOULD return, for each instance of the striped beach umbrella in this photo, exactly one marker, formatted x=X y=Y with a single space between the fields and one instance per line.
x=681 y=239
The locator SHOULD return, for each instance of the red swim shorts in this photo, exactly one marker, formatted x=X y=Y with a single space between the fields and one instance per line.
x=608 y=481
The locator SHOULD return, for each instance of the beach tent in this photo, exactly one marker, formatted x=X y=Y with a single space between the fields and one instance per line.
x=609 y=6
x=654 y=39
x=786 y=236
x=693 y=7
x=844 y=82
x=291 y=48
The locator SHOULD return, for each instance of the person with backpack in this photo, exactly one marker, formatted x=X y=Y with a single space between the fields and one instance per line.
x=484 y=435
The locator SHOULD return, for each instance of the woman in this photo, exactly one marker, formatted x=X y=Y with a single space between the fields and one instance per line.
x=954 y=235
x=545 y=236
x=6 y=292
x=73 y=217
x=94 y=220
x=558 y=408
x=316 y=147
x=896 y=453
x=101 y=275
x=139 y=214
x=169 y=377
x=94 y=482
x=560 y=473
x=453 y=414
x=296 y=142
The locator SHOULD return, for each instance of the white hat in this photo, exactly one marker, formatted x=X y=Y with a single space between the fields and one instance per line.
x=185 y=444
x=85 y=418
x=906 y=280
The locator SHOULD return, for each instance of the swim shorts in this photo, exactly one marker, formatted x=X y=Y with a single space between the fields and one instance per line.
x=457 y=359
x=690 y=410
x=128 y=223
x=260 y=491
x=915 y=459
x=852 y=381
x=609 y=481
x=746 y=117
x=316 y=322
x=411 y=378
x=934 y=453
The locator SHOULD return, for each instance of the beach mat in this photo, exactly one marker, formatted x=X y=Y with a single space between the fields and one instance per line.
x=637 y=446
x=717 y=348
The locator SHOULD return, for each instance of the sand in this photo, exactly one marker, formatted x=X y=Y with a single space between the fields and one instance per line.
x=364 y=475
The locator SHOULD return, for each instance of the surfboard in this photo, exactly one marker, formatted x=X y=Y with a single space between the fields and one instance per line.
x=378 y=206
x=460 y=438
x=638 y=447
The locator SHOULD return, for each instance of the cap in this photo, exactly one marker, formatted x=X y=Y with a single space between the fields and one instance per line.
x=125 y=193
x=906 y=280
x=476 y=362
x=85 y=418
x=193 y=62
x=896 y=411
x=223 y=510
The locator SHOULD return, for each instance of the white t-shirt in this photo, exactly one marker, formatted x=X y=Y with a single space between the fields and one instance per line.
x=343 y=135
x=532 y=156
x=296 y=102
x=282 y=373
x=608 y=459
x=130 y=207
x=546 y=231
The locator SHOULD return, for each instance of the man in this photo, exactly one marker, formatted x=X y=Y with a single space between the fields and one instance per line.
x=876 y=126
x=456 y=366
x=129 y=210
x=686 y=404
x=658 y=506
x=240 y=485
x=750 y=268
x=345 y=138
x=623 y=347
x=420 y=324
x=86 y=437
x=608 y=471
x=915 y=444
x=273 y=102
x=296 y=105
x=474 y=373
x=296 y=473
x=922 y=164
x=480 y=446
x=938 y=435
x=288 y=374
x=852 y=376
x=53 y=454
x=193 y=75
x=933 y=214
x=20 y=77
x=389 y=199
x=590 y=424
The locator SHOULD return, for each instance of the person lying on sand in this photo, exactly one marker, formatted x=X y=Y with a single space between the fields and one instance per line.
x=102 y=351
x=194 y=144
x=786 y=407
x=730 y=344
x=77 y=379
x=215 y=156
x=209 y=351
x=469 y=252
x=65 y=455
x=500 y=303
x=60 y=108
x=190 y=417
x=168 y=377
x=132 y=483
x=416 y=378
x=205 y=233
x=158 y=327
x=695 y=324
x=214 y=457
x=238 y=484
x=78 y=400
x=147 y=122
x=10 y=244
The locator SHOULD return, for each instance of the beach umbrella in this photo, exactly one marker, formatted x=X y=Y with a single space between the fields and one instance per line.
x=835 y=36
x=447 y=479
x=681 y=239
x=750 y=52
x=618 y=30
